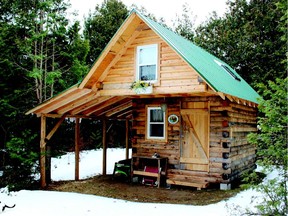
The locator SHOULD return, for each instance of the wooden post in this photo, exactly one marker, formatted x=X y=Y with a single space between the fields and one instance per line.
x=104 y=147
x=77 y=140
x=43 y=152
x=48 y=164
x=127 y=139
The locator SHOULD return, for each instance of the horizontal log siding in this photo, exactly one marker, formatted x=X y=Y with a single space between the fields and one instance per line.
x=123 y=71
x=143 y=147
x=173 y=71
x=241 y=121
x=237 y=121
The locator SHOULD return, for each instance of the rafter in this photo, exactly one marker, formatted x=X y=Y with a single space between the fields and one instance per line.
x=89 y=105
x=79 y=93
x=101 y=106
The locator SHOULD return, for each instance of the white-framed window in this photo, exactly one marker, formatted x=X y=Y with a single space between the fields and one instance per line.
x=156 y=123
x=147 y=63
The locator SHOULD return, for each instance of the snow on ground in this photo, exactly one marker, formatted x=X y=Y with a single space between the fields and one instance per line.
x=44 y=203
x=90 y=163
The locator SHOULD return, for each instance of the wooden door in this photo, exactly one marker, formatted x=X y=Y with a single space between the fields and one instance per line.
x=195 y=143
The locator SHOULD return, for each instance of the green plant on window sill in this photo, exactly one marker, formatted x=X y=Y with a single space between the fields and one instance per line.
x=139 y=86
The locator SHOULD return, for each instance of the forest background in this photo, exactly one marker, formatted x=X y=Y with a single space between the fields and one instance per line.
x=44 y=52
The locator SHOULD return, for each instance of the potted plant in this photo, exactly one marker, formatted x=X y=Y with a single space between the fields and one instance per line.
x=141 y=87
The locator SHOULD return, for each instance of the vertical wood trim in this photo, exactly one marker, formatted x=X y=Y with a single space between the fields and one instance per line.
x=104 y=147
x=209 y=124
x=127 y=139
x=43 y=152
x=181 y=133
x=77 y=140
x=158 y=63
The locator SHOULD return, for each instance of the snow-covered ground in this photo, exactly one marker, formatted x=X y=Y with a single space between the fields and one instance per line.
x=47 y=203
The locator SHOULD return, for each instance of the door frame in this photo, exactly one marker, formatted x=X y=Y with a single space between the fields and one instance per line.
x=201 y=161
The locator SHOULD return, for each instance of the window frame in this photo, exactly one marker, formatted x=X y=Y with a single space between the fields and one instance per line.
x=152 y=63
x=228 y=70
x=148 y=123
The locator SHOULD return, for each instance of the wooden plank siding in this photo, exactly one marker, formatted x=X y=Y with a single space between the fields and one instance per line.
x=174 y=74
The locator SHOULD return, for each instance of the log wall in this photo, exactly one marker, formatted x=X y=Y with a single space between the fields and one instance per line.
x=143 y=147
x=229 y=152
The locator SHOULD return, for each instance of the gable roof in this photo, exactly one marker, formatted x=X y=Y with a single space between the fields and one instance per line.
x=209 y=67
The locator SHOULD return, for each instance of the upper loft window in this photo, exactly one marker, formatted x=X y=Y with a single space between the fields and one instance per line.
x=228 y=70
x=147 y=58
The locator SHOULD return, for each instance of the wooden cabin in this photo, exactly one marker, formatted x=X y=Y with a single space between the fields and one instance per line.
x=197 y=114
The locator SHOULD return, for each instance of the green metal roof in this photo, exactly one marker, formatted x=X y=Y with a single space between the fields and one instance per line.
x=207 y=65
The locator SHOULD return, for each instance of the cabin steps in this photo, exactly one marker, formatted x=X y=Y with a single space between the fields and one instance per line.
x=196 y=184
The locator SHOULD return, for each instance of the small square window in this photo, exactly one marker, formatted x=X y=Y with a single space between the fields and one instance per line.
x=155 y=123
x=147 y=58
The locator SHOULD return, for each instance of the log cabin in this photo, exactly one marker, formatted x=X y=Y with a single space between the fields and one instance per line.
x=196 y=114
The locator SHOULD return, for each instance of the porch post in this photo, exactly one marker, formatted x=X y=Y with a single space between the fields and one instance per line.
x=77 y=139
x=48 y=163
x=43 y=152
x=127 y=138
x=104 y=147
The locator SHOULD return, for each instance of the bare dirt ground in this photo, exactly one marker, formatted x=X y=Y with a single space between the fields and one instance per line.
x=108 y=187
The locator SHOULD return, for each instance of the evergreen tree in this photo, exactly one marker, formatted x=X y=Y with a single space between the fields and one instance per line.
x=74 y=57
x=101 y=25
x=45 y=44
x=185 y=24
x=146 y=13
x=247 y=38
x=38 y=51
x=271 y=142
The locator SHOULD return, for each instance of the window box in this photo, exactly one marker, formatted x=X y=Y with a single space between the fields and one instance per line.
x=142 y=87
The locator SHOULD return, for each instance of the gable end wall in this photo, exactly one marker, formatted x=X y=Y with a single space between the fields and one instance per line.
x=174 y=73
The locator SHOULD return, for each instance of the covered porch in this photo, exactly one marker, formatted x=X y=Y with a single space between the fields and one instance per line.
x=77 y=104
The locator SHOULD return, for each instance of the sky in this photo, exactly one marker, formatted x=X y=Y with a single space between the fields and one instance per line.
x=168 y=9
x=47 y=203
